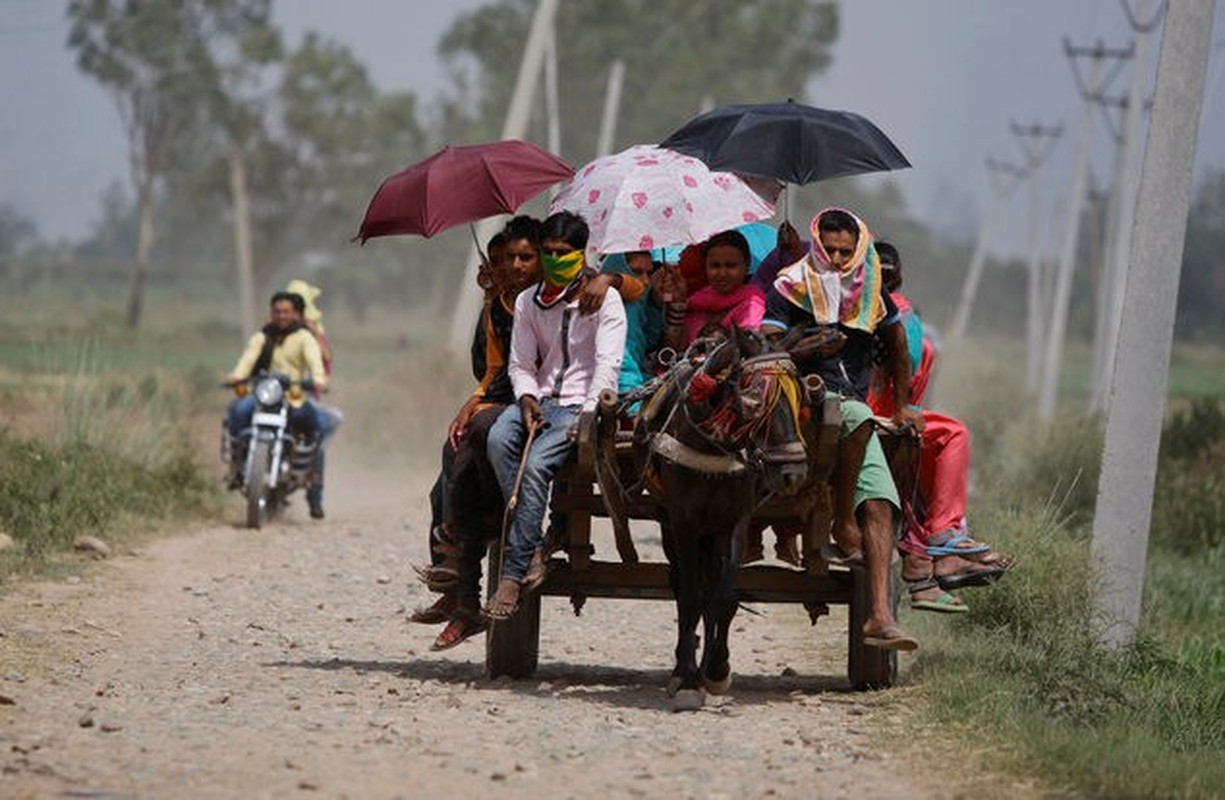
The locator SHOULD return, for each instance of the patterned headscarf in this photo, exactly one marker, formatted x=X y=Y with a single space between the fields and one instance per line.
x=850 y=295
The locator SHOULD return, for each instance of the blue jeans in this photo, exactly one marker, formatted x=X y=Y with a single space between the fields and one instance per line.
x=549 y=452
x=327 y=420
x=305 y=419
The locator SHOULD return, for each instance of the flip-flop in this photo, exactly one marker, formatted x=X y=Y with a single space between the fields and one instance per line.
x=963 y=580
x=458 y=631
x=892 y=638
x=440 y=611
x=945 y=604
x=491 y=611
x=947 y=545
x=835 y=555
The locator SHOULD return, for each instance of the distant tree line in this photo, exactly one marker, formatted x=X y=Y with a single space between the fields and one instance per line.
x=251 y=159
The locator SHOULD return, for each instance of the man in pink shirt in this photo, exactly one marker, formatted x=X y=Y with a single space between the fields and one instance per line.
x=560 y=361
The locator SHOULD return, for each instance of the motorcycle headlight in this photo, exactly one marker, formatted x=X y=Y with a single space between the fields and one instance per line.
x=269 y=392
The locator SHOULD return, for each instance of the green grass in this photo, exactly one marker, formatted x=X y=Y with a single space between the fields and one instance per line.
x=1024 y=670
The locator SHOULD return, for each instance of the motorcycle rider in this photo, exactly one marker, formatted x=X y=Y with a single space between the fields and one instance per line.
x=285 y=346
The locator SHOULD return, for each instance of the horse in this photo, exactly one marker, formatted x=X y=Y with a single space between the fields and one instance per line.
x=719 y=437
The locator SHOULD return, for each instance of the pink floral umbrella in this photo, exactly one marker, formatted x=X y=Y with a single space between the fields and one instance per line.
x=647 y=197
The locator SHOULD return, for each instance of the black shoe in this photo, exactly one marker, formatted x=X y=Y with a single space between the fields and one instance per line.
x=235 y=481
x=317 y=511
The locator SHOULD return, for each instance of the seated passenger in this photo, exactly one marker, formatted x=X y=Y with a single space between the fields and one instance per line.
x=643 y=317
x=834 y=295
x=473 y=496
x=560 y=361
x=727 y=300
x=488 y=367
x=938 y=551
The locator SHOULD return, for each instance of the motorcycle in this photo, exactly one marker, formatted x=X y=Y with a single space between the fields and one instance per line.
x=275 y=460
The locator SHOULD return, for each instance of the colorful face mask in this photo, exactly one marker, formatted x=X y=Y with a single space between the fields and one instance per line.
x=562 y=270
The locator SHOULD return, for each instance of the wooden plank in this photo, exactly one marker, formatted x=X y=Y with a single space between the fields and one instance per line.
x=649 y=580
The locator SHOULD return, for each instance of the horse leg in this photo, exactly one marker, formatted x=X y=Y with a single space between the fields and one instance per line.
x=686 y=678
x=668 y=535
x=721 y=610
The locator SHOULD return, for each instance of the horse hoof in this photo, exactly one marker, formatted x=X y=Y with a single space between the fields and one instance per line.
x=688 y=700
x=673 y=686
x=718 y=687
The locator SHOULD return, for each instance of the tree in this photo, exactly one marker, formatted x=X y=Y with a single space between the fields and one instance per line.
x=17 y=231
x=677 y=53
x=152 y=56
x=336 y=137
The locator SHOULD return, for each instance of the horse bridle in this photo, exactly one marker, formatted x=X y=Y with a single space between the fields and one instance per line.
x=728 y=430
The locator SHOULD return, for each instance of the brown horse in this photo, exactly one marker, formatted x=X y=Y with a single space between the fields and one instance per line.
x=716 y=441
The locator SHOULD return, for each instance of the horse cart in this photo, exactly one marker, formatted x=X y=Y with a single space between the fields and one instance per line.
x=602 y=481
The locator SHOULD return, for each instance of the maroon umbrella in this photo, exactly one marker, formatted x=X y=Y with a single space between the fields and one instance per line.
x=461 y=184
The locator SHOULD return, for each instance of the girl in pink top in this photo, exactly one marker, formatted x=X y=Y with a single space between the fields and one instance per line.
x=728 y=299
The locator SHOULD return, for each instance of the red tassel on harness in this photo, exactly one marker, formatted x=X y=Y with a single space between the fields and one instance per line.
x=701 y=387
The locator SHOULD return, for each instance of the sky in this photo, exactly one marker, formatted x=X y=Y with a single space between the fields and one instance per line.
x=944 y=78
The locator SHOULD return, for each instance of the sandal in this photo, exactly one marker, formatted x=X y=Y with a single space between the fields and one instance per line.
x=944 y=603
x=440 y=611
x=955 y=543
x=439 y=578
x=977 y=574
x=537 y=571
x=499 y=608
x=892 y=637
x=458 y=630
x=835 y=555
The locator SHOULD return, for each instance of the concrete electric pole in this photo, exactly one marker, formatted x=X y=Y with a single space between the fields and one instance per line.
x=1125 y=187
x=1138 y=387
x=1004 y=179
x=1091 y=92
x=1037 y=142
x=468 y=304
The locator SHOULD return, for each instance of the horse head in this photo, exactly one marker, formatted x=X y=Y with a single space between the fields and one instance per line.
x=746 y=398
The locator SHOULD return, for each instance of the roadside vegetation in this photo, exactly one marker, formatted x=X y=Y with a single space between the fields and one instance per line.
x=113 y=434
x=1024 y=665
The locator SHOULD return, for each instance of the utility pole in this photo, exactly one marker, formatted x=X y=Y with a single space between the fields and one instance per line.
x=1036 y=141
x=612 y=108
x=1004 y=179
x=1125 y=186
x=468 y=304
x=551 y=106
x=1102 y=284
x=1091 y=92
x=1138 y=388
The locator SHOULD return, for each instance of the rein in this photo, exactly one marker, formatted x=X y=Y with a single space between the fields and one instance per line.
x=727 y=433
x=725 y=428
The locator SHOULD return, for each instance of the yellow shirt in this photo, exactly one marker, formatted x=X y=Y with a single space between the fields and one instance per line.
x=297 y=356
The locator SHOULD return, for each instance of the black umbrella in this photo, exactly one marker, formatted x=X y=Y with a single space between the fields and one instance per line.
x=789 y=141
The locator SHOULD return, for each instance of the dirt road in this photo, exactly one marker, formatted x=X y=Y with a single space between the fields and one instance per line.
x=229 y=663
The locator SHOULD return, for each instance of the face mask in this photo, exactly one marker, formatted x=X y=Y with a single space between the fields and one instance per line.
x=561 y=270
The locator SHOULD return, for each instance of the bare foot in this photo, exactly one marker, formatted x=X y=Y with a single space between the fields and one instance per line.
x=915 y=567
x=847 y=536
x=505 y=601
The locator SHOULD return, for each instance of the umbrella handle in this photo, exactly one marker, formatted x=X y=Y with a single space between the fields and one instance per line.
x=480 y=251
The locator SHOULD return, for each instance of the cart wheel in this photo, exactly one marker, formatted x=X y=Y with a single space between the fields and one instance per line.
x=869 y=667
x=512 y=646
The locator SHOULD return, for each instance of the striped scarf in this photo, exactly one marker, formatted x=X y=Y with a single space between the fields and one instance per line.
x=850 y=296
